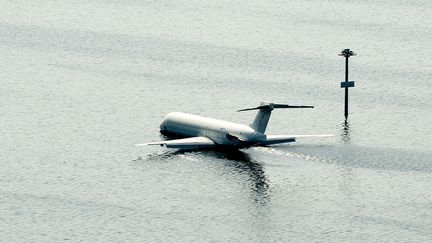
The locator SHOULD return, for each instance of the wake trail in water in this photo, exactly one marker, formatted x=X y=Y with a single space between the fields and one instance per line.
x=357 y=156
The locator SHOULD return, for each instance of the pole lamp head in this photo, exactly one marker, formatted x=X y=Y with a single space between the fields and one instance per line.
x=347 y=53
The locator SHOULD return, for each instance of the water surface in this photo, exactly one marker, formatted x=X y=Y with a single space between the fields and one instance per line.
x=82 y=81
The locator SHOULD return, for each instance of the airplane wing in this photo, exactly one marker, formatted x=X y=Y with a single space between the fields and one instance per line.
x=185 y=143
x=275 y=139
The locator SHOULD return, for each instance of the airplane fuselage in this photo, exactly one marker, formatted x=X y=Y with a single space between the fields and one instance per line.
x=199 y=132
x=221 y=132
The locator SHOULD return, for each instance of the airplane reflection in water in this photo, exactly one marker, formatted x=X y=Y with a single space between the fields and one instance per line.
x=233 y=159
x=201 y=132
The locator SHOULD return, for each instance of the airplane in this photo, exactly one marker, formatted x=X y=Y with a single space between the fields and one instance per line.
x=198 y=132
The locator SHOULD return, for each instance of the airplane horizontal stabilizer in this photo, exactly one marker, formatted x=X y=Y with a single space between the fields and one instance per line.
x=264 y=111
x=271 y=106
x=185 y=143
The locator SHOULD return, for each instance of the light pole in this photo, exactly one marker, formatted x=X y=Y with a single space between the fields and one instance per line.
x=347 y=84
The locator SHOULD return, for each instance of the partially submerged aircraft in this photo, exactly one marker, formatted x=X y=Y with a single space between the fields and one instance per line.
x=202 y=132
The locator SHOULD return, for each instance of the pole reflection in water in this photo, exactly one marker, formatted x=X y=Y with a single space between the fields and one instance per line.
x=346 y=132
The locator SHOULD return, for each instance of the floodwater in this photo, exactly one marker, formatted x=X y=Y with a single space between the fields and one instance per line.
x=83 y=81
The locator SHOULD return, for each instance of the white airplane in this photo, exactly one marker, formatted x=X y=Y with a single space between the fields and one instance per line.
x=201 y=132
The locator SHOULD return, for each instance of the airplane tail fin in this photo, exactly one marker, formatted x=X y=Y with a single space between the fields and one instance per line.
x=264 y=112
